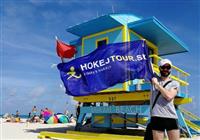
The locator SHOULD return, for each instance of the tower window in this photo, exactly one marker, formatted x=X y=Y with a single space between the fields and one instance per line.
x=102 y=42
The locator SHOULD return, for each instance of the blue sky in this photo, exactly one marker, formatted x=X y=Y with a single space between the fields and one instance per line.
x=28 y=76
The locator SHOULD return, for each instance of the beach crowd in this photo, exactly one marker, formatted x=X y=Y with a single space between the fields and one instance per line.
x=33 y=116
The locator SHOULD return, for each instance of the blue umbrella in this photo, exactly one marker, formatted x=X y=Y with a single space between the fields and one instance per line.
x=62 y=118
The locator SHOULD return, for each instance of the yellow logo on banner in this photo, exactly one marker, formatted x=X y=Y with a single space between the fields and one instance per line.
x=72 y=73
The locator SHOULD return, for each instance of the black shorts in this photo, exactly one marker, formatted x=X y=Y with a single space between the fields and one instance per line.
x=163 y=124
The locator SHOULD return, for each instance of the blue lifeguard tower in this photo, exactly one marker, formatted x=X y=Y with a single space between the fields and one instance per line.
x=127 y=105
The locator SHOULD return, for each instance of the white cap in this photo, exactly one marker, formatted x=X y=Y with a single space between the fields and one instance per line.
x=165 y=61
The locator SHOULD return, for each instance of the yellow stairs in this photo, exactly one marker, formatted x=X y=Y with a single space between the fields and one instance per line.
x=192 y=125
x=192 y=116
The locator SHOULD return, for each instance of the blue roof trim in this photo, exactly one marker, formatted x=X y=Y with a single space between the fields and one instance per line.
x=170 y=33
x=172 y=53
x=154 y=31
x=93 y=26
x=102 y=23
x=125 y=18
x=76 y=42
x=127 y=14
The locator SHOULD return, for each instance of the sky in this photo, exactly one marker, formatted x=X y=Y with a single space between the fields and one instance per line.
x=28 y=58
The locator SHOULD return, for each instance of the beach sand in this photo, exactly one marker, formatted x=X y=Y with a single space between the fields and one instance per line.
x=30 y=131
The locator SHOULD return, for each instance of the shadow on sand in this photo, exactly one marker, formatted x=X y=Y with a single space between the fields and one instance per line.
x=119 y=131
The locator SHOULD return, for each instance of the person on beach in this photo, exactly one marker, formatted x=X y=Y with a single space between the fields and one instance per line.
x=41 y=114
x=78 y=109
x=72 y=119
x=29 y=115
x=33 y=114
x=17 y=114
x=71 y=115
x=17 y=118
x=66 y=112
x=163 y=112
x=48 y=110
x=34 y=110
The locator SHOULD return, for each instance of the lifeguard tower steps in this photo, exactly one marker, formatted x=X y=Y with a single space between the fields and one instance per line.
x=192 y=121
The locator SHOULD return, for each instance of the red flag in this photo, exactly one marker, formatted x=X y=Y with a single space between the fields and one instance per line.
x=65 y=50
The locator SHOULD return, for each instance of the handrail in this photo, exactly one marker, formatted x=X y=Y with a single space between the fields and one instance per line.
x=192 y=125
x=186 y=112
x=176 y=68
x=183 y=83
x=156 y=69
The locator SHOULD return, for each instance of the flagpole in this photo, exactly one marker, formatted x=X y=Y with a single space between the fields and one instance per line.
x=62 y=59
x=144 y=41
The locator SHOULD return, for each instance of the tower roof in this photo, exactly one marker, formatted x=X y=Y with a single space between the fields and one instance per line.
x=150 y=28
x=101 y=23
x=154 y=31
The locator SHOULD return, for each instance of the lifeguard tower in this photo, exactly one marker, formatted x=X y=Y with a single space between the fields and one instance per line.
x=127 y=105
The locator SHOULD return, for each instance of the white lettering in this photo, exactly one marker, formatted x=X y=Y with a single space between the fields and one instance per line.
x=83 y=67
x=101 y=62
x=144 y=56
x=139 y=57
x=131 y=58
x=112 y=57
x=108 y=61
x=90 y=66
x=119 y=58
x=95 y=64
x=125 y=58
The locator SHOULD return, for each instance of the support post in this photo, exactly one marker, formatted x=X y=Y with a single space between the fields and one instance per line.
x=79 y=121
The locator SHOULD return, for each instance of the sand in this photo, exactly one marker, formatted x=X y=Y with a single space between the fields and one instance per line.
x=30 y=131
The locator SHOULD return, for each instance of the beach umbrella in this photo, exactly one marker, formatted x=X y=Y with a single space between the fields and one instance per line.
x=52 y=119
x=62 y=118
x=47 y=115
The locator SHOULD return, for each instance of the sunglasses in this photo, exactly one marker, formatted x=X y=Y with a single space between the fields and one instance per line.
x=165 y=67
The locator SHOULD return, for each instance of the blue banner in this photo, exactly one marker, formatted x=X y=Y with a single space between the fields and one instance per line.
x=105 y=67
